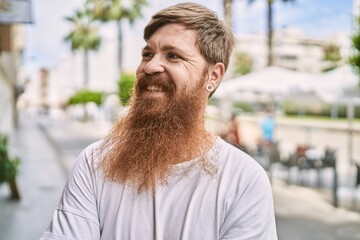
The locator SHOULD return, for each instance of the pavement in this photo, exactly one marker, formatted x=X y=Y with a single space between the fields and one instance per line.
x=48 y=149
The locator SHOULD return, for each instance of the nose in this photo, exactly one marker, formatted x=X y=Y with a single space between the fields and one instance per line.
x=155 y=65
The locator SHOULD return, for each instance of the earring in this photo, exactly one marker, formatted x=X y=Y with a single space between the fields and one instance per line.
x=210 y=87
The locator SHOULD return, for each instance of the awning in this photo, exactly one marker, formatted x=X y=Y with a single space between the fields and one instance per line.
x=15 y=11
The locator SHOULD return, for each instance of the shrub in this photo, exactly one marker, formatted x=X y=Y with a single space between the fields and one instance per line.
x=126 y=85
x=243 y=107
x=317 y=109
x=8 y=165
x=86 y=96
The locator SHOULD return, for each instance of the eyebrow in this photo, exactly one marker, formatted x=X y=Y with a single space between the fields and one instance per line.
x=167 y=47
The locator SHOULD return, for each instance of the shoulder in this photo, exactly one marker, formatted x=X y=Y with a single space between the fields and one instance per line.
x=246 y=196
x=91 y=150
x=237 y=167
x=88 y=158
x=233 y=156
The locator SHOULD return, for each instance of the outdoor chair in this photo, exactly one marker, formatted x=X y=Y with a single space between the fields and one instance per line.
x=305 y=162
x=286 y=164
x=329 y=161
x=357 y=185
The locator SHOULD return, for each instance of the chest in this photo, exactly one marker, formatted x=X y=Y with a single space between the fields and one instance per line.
x=186 y=208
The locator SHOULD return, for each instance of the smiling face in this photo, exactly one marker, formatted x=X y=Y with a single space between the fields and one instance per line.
x=172 y=56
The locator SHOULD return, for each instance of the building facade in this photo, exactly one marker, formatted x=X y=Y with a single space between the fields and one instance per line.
x=292 y=50
x=11 y=45
x=13 y=14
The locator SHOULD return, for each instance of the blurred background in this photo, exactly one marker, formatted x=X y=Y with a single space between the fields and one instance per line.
x=291 y=92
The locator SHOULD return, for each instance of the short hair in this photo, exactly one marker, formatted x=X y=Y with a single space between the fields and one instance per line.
x=214 y=38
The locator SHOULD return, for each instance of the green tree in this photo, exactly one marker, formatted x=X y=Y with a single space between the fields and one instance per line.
x=243 y=63
x=116 y=10
x=84 y=36
x=332 y=55
x=332 y=52
x=354 y=59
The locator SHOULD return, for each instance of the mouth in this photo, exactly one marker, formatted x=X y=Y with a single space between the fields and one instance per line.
x=153 y=88
x=154 y=91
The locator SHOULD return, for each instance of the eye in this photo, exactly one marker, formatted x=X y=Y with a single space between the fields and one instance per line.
x=147 y=55
x=173 y=56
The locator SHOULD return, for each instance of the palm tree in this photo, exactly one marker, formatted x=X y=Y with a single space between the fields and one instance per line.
x=228 y=15
x=354 y=59
x=228 y=12
x=270 y=58
x=84 y=36
x=116 y=10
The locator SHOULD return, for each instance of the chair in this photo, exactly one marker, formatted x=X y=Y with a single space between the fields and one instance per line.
x=357 y=184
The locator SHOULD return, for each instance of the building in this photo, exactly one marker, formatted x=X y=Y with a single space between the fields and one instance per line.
x=13 y=13
x=291 y=49
x=50 y=88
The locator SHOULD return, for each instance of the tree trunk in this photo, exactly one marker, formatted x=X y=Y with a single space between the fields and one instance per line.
x=86 y=69
x=228 y=12
x=270 y=58
x=119 y=33
x=86 y=82
x=14 y=189
x=119 y=53
x=15 y=96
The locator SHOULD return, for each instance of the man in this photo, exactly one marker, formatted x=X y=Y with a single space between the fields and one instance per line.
x=267 y=125
x=159 y=174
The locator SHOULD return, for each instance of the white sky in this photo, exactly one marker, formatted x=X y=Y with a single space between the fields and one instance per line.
x=319 y=18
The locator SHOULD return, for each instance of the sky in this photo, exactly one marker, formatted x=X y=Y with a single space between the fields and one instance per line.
x=44 y=44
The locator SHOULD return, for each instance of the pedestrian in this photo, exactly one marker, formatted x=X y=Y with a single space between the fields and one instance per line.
x=267 y=129
x=231 y=133
x=159 y=174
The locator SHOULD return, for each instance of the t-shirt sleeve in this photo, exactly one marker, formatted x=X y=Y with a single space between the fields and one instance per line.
x=251 y=217
x=76 y=215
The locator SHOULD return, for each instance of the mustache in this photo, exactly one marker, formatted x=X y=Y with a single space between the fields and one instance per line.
x=144 y=80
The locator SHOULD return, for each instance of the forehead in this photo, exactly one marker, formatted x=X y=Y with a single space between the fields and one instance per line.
x=175 y=35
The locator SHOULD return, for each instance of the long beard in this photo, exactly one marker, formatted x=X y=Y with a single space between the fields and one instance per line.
x=155 y=134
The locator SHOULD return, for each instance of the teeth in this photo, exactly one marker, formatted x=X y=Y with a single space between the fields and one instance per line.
x=153 y=88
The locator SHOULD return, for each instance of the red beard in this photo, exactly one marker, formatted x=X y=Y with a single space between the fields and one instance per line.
x=155 y=134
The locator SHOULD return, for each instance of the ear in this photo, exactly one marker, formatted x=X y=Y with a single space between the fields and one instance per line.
x=216 y=73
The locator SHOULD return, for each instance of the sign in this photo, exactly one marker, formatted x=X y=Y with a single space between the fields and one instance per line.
x=15 y=11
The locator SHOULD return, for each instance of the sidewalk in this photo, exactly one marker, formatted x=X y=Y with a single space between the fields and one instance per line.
x=48 y=151
x=69 y=138
x=40 y=184
x=308 y=214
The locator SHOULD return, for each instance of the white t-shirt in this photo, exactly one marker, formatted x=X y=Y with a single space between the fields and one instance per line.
x=235 y=203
